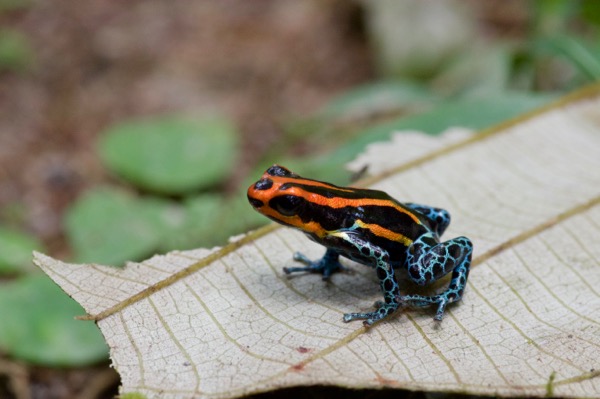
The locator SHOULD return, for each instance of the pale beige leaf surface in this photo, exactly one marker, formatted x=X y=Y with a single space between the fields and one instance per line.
x=225 y=323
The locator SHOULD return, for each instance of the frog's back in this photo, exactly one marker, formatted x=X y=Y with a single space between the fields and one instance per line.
x=373 y=211
x=372 y=214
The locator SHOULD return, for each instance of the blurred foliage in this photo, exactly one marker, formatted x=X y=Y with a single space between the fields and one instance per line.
x=379 y=98
x=15 y=251
x=16 y=53
x=110 y=226
x=38 y=325
x=12 y=5
x=169 y=154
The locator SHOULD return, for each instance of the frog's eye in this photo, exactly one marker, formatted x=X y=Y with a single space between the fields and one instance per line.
x=287 y=205
x=263 y=184
x=277 y=170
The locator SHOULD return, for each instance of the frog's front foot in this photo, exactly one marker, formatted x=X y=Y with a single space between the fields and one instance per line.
x=384 y=310
x=421 y=301
x=327 y=265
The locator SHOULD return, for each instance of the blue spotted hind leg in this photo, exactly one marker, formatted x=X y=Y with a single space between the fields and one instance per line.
x=428 y=261
x=438 y=218
x=327 y=265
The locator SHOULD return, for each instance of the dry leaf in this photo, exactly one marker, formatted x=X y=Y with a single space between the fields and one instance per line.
x=226 y=323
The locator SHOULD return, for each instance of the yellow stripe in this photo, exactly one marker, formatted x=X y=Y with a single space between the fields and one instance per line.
x=384 y=233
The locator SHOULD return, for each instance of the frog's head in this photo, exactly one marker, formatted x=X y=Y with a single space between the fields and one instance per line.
x=281 y=196
x=312 y=206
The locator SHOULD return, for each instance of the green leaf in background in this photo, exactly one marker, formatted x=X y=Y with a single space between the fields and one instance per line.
x=479 y=70
x=209 y=220
x=38 y=325
x=200 y=224
x=584 y=57
x=590 y=11
x=241 y=216
x=550 y=16
x=13 y=5
x=473 y=112
x=16 y=251
x=16 y=53
x=321 y=166
x=377 y=98
x=170 y=154
x=109 y=226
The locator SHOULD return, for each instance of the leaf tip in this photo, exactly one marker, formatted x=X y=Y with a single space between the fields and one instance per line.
x=39 y=259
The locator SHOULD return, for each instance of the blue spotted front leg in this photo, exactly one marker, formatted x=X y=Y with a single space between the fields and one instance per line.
x=380 y=259
x=327 y=265
x=429 y=260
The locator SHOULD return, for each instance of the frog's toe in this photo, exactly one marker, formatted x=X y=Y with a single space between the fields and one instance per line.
x=439 y=315
x=348 y=317
x=326 y=266
x=300 y=257
x=370 y=318
x=367 y=317
x=290 y=270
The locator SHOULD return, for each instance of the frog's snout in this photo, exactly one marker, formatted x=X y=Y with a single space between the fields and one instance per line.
x=256 y=203
x=254 y=191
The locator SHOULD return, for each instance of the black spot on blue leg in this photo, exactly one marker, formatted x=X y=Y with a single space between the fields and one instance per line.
x=428 y=277
x=437 y=269
x=388 y=285
x=414 y=272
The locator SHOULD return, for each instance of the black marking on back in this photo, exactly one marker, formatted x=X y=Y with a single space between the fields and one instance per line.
x=332 y=191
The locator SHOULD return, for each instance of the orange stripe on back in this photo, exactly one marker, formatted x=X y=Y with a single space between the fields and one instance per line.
x=339 y=202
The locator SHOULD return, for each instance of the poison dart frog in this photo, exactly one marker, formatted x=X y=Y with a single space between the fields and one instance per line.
x=369 y=227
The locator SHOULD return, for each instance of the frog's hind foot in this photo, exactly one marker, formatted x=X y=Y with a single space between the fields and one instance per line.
x=420 y=301
x=327 y=265
x=370 y=318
